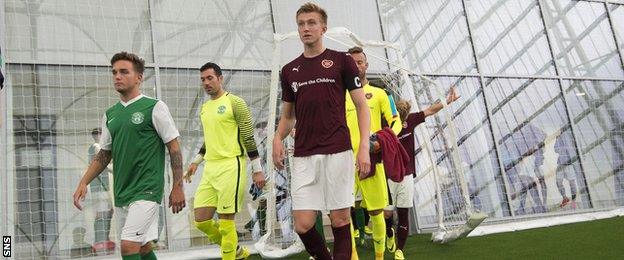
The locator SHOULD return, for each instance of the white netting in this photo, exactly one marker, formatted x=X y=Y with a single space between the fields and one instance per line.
x=446 y=191
x=278 y=238
x=443 y=199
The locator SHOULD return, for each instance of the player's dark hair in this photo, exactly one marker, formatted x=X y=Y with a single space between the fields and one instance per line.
x=137 y=63
x=355 y=50
x=213 y=66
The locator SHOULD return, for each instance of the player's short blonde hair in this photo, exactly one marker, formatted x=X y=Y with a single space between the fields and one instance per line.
x=404 y=108
x=312 y=8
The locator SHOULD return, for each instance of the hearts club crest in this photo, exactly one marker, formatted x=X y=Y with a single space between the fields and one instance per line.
x=327 y=63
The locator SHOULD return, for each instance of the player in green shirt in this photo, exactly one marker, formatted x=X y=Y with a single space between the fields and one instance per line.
x=135 y=132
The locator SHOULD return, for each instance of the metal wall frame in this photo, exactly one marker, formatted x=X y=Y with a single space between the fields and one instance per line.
x=393 y=7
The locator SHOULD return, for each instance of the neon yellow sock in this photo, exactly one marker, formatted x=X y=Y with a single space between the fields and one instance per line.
x=211 y=229
x=229 y=239
x=379 y=233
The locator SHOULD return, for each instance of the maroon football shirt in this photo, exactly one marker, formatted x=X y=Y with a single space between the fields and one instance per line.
x=406 y=137
x=317 y=87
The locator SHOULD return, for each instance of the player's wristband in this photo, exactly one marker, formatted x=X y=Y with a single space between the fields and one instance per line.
x=255 y=165
x=198 y=159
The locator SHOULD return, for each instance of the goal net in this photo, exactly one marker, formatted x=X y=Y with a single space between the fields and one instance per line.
x=443 y=198
x=444 y=183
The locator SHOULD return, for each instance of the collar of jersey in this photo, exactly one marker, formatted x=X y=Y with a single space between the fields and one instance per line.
x=222 y=96
x=125 y=104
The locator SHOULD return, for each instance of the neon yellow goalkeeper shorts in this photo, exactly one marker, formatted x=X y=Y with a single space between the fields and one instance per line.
x=223 y=185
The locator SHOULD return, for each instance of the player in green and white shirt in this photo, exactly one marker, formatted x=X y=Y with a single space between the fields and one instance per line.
x=135 y=132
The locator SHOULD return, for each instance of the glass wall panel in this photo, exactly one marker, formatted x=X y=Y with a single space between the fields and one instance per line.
x=509 y=37
x=582 y=39
x=69 y=31
x=597 y=109
x=617 y=18
x=432 y=34
x=536 y=145
x=234 y=34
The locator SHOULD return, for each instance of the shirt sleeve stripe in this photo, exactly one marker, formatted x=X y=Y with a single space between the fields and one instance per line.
x=245 y=128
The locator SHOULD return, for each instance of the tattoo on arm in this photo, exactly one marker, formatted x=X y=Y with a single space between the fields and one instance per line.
x=103 y=157
x=176 y=160
x=175 y=154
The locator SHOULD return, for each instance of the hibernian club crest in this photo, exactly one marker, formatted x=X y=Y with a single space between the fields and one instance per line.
x=221 y=109
x=137 y=118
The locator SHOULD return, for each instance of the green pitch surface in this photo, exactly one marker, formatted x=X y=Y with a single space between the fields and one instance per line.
x=601 y=239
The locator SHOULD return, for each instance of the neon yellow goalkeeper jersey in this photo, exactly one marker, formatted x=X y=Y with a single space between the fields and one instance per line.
x=379 y=104
x=227 y=126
